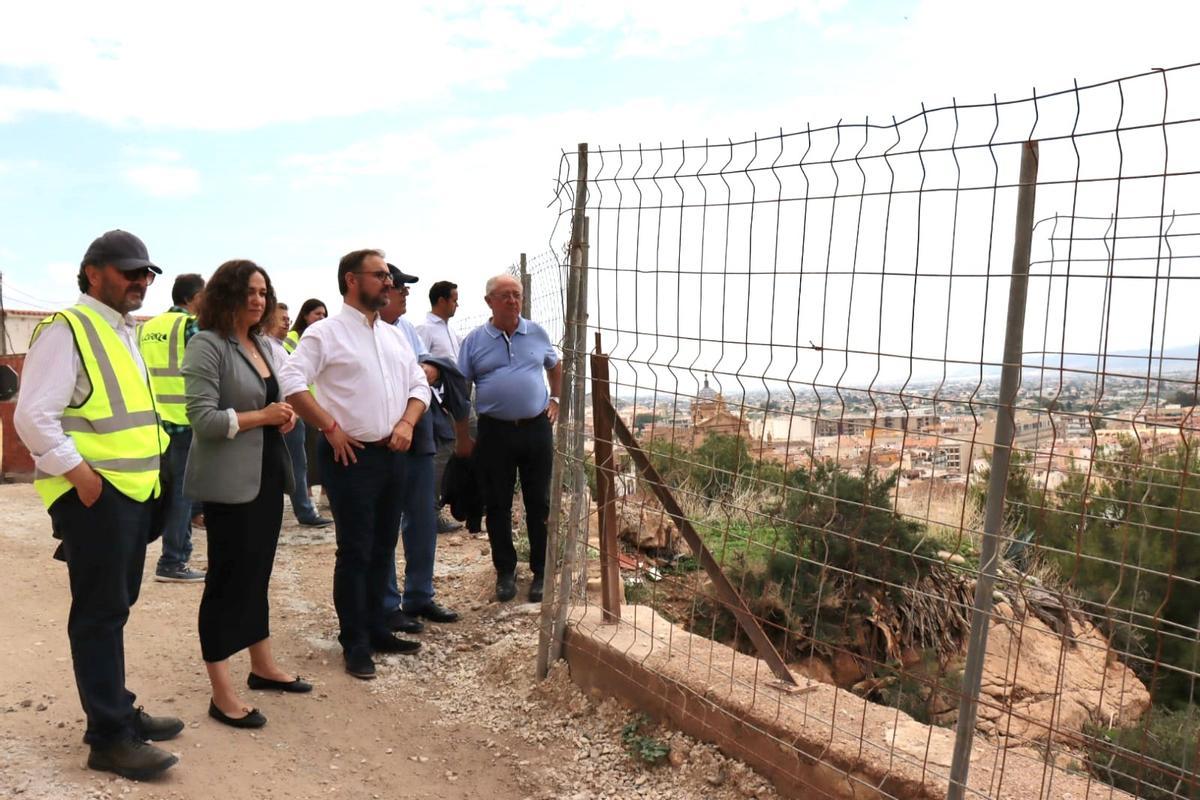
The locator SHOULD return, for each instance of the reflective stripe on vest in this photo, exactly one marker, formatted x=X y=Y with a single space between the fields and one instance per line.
x=161 y=341
x=115 y=429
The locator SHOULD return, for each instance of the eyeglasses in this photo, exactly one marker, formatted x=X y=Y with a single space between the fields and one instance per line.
x=506 y=295
x=131 y=275
x=382 y=275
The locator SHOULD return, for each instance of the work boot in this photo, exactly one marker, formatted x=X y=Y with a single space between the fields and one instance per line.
x=155 y=729
x=132 y=759
x=506 y=587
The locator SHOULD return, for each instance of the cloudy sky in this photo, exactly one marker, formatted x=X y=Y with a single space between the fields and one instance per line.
x=290 y=133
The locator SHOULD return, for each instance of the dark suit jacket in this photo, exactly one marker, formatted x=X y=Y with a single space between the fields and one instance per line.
x=456 y=398
x=462 y=491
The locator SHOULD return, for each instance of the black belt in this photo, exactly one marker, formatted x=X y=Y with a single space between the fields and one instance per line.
x=511 y=423
x=379 y=443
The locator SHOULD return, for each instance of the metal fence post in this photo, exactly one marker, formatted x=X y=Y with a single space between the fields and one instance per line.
x=526 y=290
x=989 y=551
x=574 y=551
x=548 y=635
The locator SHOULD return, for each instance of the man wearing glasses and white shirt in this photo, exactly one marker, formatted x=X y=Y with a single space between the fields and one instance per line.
x=372 y=394
x=440 y=340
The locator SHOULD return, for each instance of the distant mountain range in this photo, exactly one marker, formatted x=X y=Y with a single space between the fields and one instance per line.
x=1127 y=362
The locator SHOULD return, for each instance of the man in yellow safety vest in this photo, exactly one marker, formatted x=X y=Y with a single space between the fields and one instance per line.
x=162 y=341
x=87 y=415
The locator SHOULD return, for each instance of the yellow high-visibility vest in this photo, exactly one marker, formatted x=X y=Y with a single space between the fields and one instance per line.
x=116 y=428
x=289 y=343
x=161 y=341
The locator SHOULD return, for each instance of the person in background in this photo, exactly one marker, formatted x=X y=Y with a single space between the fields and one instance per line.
x=440 y=340
x=370 y=394
x=311 y=310
x=162 y=341
x=302 y=504
x=239 y=467
x=505 y=358
x=418 y=527
x=87 y=415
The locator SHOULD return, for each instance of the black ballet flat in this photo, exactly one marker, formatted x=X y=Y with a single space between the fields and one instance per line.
x=254 y=719
x=298 y=685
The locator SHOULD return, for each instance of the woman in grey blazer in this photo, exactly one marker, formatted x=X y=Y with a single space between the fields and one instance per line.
x=239 y=467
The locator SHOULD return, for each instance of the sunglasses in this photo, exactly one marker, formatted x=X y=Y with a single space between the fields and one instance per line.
x=142 y=273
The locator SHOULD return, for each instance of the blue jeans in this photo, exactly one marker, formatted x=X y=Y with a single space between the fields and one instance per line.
x=177 y=527
x=302 y=504
x=418 y=528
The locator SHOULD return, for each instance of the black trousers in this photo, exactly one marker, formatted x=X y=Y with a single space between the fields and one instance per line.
x=366 y=500
x=105 y=550
x=504 y=451
x=242 y=538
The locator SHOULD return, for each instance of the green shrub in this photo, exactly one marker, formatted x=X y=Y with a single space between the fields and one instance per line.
x=1155 y=760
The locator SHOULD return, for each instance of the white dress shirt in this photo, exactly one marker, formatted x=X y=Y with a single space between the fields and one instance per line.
x=53 y=378
x=365 y=374
x=438 y=338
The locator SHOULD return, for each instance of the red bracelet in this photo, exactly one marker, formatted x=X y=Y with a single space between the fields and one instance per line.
x=332 y=427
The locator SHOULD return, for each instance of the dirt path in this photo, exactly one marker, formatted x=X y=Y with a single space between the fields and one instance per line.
x=463 y=719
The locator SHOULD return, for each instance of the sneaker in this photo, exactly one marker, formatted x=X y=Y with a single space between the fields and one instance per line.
x=178 y=575
x=316 y=522
x=132 y=759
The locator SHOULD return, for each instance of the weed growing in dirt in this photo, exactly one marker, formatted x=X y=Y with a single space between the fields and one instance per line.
x=650 y=750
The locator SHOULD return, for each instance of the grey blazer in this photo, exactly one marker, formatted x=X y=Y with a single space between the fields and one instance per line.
x=219 y=376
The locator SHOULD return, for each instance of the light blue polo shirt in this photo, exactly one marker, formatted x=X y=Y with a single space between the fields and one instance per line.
x=508 y=373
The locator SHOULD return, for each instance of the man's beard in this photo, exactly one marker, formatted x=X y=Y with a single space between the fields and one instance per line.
x=124 y=299
x=373 y=302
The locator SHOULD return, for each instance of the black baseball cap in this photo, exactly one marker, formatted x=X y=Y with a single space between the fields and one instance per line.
x=121 y=249
x=399 y=277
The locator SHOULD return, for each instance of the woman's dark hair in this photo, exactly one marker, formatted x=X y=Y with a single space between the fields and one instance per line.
x=225 y=295
x=300 y=324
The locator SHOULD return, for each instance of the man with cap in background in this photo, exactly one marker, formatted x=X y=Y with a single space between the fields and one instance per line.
x=162 y=341
x=419 y=524
x=86 y=413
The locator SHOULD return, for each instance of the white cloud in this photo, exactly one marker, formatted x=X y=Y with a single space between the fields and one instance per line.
x=238 y=65
x=164 y=180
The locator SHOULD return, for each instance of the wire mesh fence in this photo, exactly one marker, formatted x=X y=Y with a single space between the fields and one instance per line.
x=545 y=301
x=833 y=348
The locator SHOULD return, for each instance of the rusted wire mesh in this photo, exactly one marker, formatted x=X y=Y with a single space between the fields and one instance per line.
x=805 y=334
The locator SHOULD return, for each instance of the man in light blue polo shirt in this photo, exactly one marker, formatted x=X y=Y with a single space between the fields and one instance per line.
x=505 y=358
